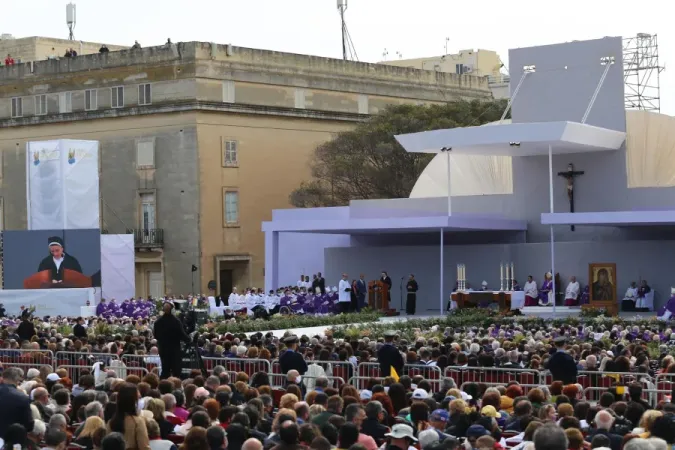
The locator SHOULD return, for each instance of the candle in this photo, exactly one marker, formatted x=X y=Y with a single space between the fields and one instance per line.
x=458 y=277
x=501 y=271
x=513 y=273
x=507 y=277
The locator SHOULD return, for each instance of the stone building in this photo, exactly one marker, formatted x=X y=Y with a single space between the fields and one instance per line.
x=36 y=48
x=199 y=142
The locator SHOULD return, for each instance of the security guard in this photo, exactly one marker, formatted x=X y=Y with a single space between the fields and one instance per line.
x=561 y=364
x=388 y=355
x=291 y=359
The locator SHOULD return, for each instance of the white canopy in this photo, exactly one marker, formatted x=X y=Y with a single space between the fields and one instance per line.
x=515 y=139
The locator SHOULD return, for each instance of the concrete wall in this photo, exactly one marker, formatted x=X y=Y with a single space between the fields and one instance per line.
x=303 y=254
x=648 y=260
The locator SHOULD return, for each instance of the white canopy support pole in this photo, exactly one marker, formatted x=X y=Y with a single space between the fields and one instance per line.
x=441 y=293
x=449 y=187
x=513 y=96
x=550 y=199
x=608 y=62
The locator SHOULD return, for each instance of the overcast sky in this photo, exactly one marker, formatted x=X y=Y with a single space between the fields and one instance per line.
x=415 y=28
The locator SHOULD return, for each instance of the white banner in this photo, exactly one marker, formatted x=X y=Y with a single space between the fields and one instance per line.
x=47 y=302
x=62 y=185
x=118 y=267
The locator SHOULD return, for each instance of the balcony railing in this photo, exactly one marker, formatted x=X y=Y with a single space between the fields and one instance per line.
x=148 y=238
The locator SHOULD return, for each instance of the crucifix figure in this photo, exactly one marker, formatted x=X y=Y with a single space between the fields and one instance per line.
x=570 y=174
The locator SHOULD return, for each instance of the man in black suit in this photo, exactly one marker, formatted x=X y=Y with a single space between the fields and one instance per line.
x=388 y=355
x=15 y=404
x=561 y=364
x=58 y=260
x=603 y=423
x=79 y=330
x=291 y=359
x=169 y=333
x=322 y=282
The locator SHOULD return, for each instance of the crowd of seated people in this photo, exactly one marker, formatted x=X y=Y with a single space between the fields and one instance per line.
x=99 y=405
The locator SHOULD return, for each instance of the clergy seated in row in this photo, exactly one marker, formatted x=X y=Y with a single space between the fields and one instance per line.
x=572 y=292
x=668 y=310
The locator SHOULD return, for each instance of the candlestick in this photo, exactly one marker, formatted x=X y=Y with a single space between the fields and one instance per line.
x=501 y=276
x=513 y=275
x=508 y=282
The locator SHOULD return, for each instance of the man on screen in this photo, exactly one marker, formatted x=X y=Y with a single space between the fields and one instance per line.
x=58 y=260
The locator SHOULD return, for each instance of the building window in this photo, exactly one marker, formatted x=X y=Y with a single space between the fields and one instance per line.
x=228 y=91
x=40 y=105
x=65 y=102
x=230 y=153
x=231 y=207
x=118 y=97
x=90 y=100
x=17 y=107
x=144 y=94
x=148 y=212
x=363 y=104
x=145 y=154
x=299 y=98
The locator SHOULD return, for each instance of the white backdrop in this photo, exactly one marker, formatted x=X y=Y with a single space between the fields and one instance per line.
x=62 y=185
x=118 y=268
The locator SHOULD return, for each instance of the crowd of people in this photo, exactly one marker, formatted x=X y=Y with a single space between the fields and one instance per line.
x=306 y=405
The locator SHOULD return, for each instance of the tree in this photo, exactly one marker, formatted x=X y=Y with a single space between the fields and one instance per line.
x=368 y=163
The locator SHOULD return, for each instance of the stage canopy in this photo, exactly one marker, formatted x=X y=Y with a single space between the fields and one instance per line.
x=515 y=139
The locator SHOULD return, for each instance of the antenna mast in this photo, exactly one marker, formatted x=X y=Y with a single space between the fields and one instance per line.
x=71 y=19
x=348 y=50
x=342 y=7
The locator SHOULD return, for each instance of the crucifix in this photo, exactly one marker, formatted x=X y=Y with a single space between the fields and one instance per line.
x=570 y=174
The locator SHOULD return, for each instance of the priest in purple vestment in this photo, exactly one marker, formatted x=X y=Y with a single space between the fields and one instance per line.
x=667 y=310
x=101 y=308
x=546 y=291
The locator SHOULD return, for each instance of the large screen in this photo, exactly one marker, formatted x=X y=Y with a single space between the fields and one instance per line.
x=52 y=259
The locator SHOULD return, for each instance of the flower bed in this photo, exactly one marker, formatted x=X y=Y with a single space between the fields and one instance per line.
x=246 y=324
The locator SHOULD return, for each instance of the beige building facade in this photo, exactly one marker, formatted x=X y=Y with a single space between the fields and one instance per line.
x=36 y=48
x=199 y=142
x=479 y=63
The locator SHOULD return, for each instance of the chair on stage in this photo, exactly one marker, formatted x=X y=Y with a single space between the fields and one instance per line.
x=218 y=310
x=646 y=302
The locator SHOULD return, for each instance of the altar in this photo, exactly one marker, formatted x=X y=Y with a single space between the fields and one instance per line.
x=507 y=300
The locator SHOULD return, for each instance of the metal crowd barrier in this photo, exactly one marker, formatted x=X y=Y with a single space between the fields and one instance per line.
x=493 y=375
x=526 y=386
x=278 y=380
x=249 y=366
x=652 y=396
x=27 y=359
x=433 y=374
x=148 y=362
x=360 y=382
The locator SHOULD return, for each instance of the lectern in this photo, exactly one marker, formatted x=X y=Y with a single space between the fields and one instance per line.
x=43 y=280
x=378 y=296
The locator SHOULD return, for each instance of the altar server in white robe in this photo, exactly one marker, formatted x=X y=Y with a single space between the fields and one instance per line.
x=572 y=292
x=531 y=292
x=344 y=294
x=631 y=292
x=251 y=301
x=272 y=302
x=233 y=298
x=301 y=282
x=239 y=303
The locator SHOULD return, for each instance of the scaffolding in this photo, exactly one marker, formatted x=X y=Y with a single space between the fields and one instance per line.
x=642 y=72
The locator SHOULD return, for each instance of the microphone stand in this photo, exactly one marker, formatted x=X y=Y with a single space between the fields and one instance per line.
x=400 y=290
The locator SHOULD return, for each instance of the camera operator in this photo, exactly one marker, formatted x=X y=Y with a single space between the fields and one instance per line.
x=169 y=333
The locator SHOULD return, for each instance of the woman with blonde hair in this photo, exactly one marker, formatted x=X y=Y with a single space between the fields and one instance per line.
x=288 y=401
x=157 y=408
x=646 y=423
x=86 y=436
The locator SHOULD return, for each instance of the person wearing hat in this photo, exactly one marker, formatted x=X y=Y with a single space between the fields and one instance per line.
x=401 y=437
x=169 y=333
x=291 y=359
x=388 y=355
x=411 y=299
x=474 y=432
x=58 y=260
x=439 y=421
x=79 y=330
x=561 y=364
x=26 y=329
